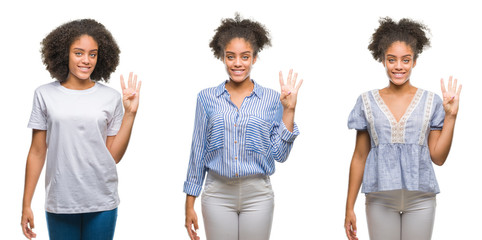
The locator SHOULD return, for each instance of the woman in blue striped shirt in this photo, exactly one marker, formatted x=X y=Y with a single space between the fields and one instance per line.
x=241 y=129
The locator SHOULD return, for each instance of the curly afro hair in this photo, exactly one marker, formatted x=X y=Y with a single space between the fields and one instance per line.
x=406 y=30
x=56 y=46
x=253 y=32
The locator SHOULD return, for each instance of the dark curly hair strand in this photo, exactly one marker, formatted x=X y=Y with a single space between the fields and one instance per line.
x=253 y=32
x=406 y=30
x=55 y=49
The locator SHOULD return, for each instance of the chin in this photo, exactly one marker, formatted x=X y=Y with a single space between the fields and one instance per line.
x=238 y=79
x=399 y=82
x=82 y=76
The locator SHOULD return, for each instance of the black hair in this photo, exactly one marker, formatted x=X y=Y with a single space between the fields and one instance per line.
x=253 y=32
x=406 y=30
x=55 y=48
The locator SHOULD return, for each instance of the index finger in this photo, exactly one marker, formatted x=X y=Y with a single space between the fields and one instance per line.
x=281 y=81
x=123 y=86
x=442 y=84
x=347 y=231
x=189 y=231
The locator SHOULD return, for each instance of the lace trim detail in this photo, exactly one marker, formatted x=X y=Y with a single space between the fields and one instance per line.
x=398 y=128
x=426 y=117
x=369 y=115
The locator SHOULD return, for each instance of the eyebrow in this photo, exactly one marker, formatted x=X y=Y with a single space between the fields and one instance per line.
x=408 y=55
x=241 y=53
x=84 y=50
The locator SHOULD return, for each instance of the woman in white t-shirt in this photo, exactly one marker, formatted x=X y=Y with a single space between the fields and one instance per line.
x=82 y=124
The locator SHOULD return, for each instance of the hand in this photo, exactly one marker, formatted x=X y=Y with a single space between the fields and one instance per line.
x=130 y=95
x=451 y=97
x=191 y=219
x=27 y=223
x=289 y=91
x=350 y=225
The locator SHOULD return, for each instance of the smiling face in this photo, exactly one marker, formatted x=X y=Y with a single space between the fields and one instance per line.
x=82 y=58
x=399 y=61
x=238 y=59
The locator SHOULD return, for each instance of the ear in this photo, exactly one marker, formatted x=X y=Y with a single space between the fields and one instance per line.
x=414 y=63
x=254 y=59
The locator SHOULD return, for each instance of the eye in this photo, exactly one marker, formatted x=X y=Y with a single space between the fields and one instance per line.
x=93 y=55
x=391 y=60
x=245 y=57
x=406 y=60
x=78 y=54
x=230 y=57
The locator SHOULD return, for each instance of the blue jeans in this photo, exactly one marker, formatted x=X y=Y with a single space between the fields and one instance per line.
x=82 y=226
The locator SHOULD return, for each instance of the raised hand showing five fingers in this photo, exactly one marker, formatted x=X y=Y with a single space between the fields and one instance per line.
x=451 y=96
x=289 y=91
x=130 y=95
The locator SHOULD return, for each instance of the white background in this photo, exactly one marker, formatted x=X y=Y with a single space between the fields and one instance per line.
x=166 y=44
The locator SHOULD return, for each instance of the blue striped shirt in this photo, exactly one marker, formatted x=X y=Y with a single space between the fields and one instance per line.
x=236 y=142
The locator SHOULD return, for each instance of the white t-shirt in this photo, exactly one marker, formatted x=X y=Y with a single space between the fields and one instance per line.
x=81 y=174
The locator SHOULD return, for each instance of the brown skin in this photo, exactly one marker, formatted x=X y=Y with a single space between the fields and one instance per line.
x=78 y=80
x=397 y=96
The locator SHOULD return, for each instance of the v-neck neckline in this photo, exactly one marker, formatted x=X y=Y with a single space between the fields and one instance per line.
x=408 y=111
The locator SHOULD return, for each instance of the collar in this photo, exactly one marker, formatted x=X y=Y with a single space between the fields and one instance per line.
x=258 y=90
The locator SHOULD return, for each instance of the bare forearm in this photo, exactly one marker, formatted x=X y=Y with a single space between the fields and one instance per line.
x=357 y=168
x=121 y=140
x=354 y=182
x=33 y=169
x=289 y=118
x=441 y=149
x=190 y=201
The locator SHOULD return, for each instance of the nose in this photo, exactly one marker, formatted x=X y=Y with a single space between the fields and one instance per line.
x=237 y=62
x=399 y=65
x=85 y=59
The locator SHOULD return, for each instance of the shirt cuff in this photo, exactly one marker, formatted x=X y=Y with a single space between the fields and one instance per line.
x=288 y=136
x=37 y=126
x=192 y=189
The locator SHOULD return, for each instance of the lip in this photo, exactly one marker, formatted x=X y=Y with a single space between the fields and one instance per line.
x=398 y=74
x=84 y=68
x=237 y=72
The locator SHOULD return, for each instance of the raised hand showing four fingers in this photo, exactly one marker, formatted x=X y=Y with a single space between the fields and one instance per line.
x=451 y=96
x=289 y=91
x=130 y=95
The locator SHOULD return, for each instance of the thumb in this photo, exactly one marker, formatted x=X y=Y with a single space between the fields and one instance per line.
x=31 y=223
x=354 y=227
x=196 y=227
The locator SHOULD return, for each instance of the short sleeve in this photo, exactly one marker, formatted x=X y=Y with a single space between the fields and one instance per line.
x=357 y=119
x=438 y=115
x=38 y=117
x=114 y=124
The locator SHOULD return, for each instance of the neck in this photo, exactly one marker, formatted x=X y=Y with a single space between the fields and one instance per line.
x=75 y=83
x=245 y=86
x=400 y=89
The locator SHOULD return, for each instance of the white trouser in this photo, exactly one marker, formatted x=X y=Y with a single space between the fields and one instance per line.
x=400 y=215
x=237 y=208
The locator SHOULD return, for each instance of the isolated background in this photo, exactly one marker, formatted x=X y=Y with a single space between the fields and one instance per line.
x=166 y=44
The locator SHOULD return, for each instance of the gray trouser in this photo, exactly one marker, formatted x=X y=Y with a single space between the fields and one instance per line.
x=400 y=215
x=237 y=209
